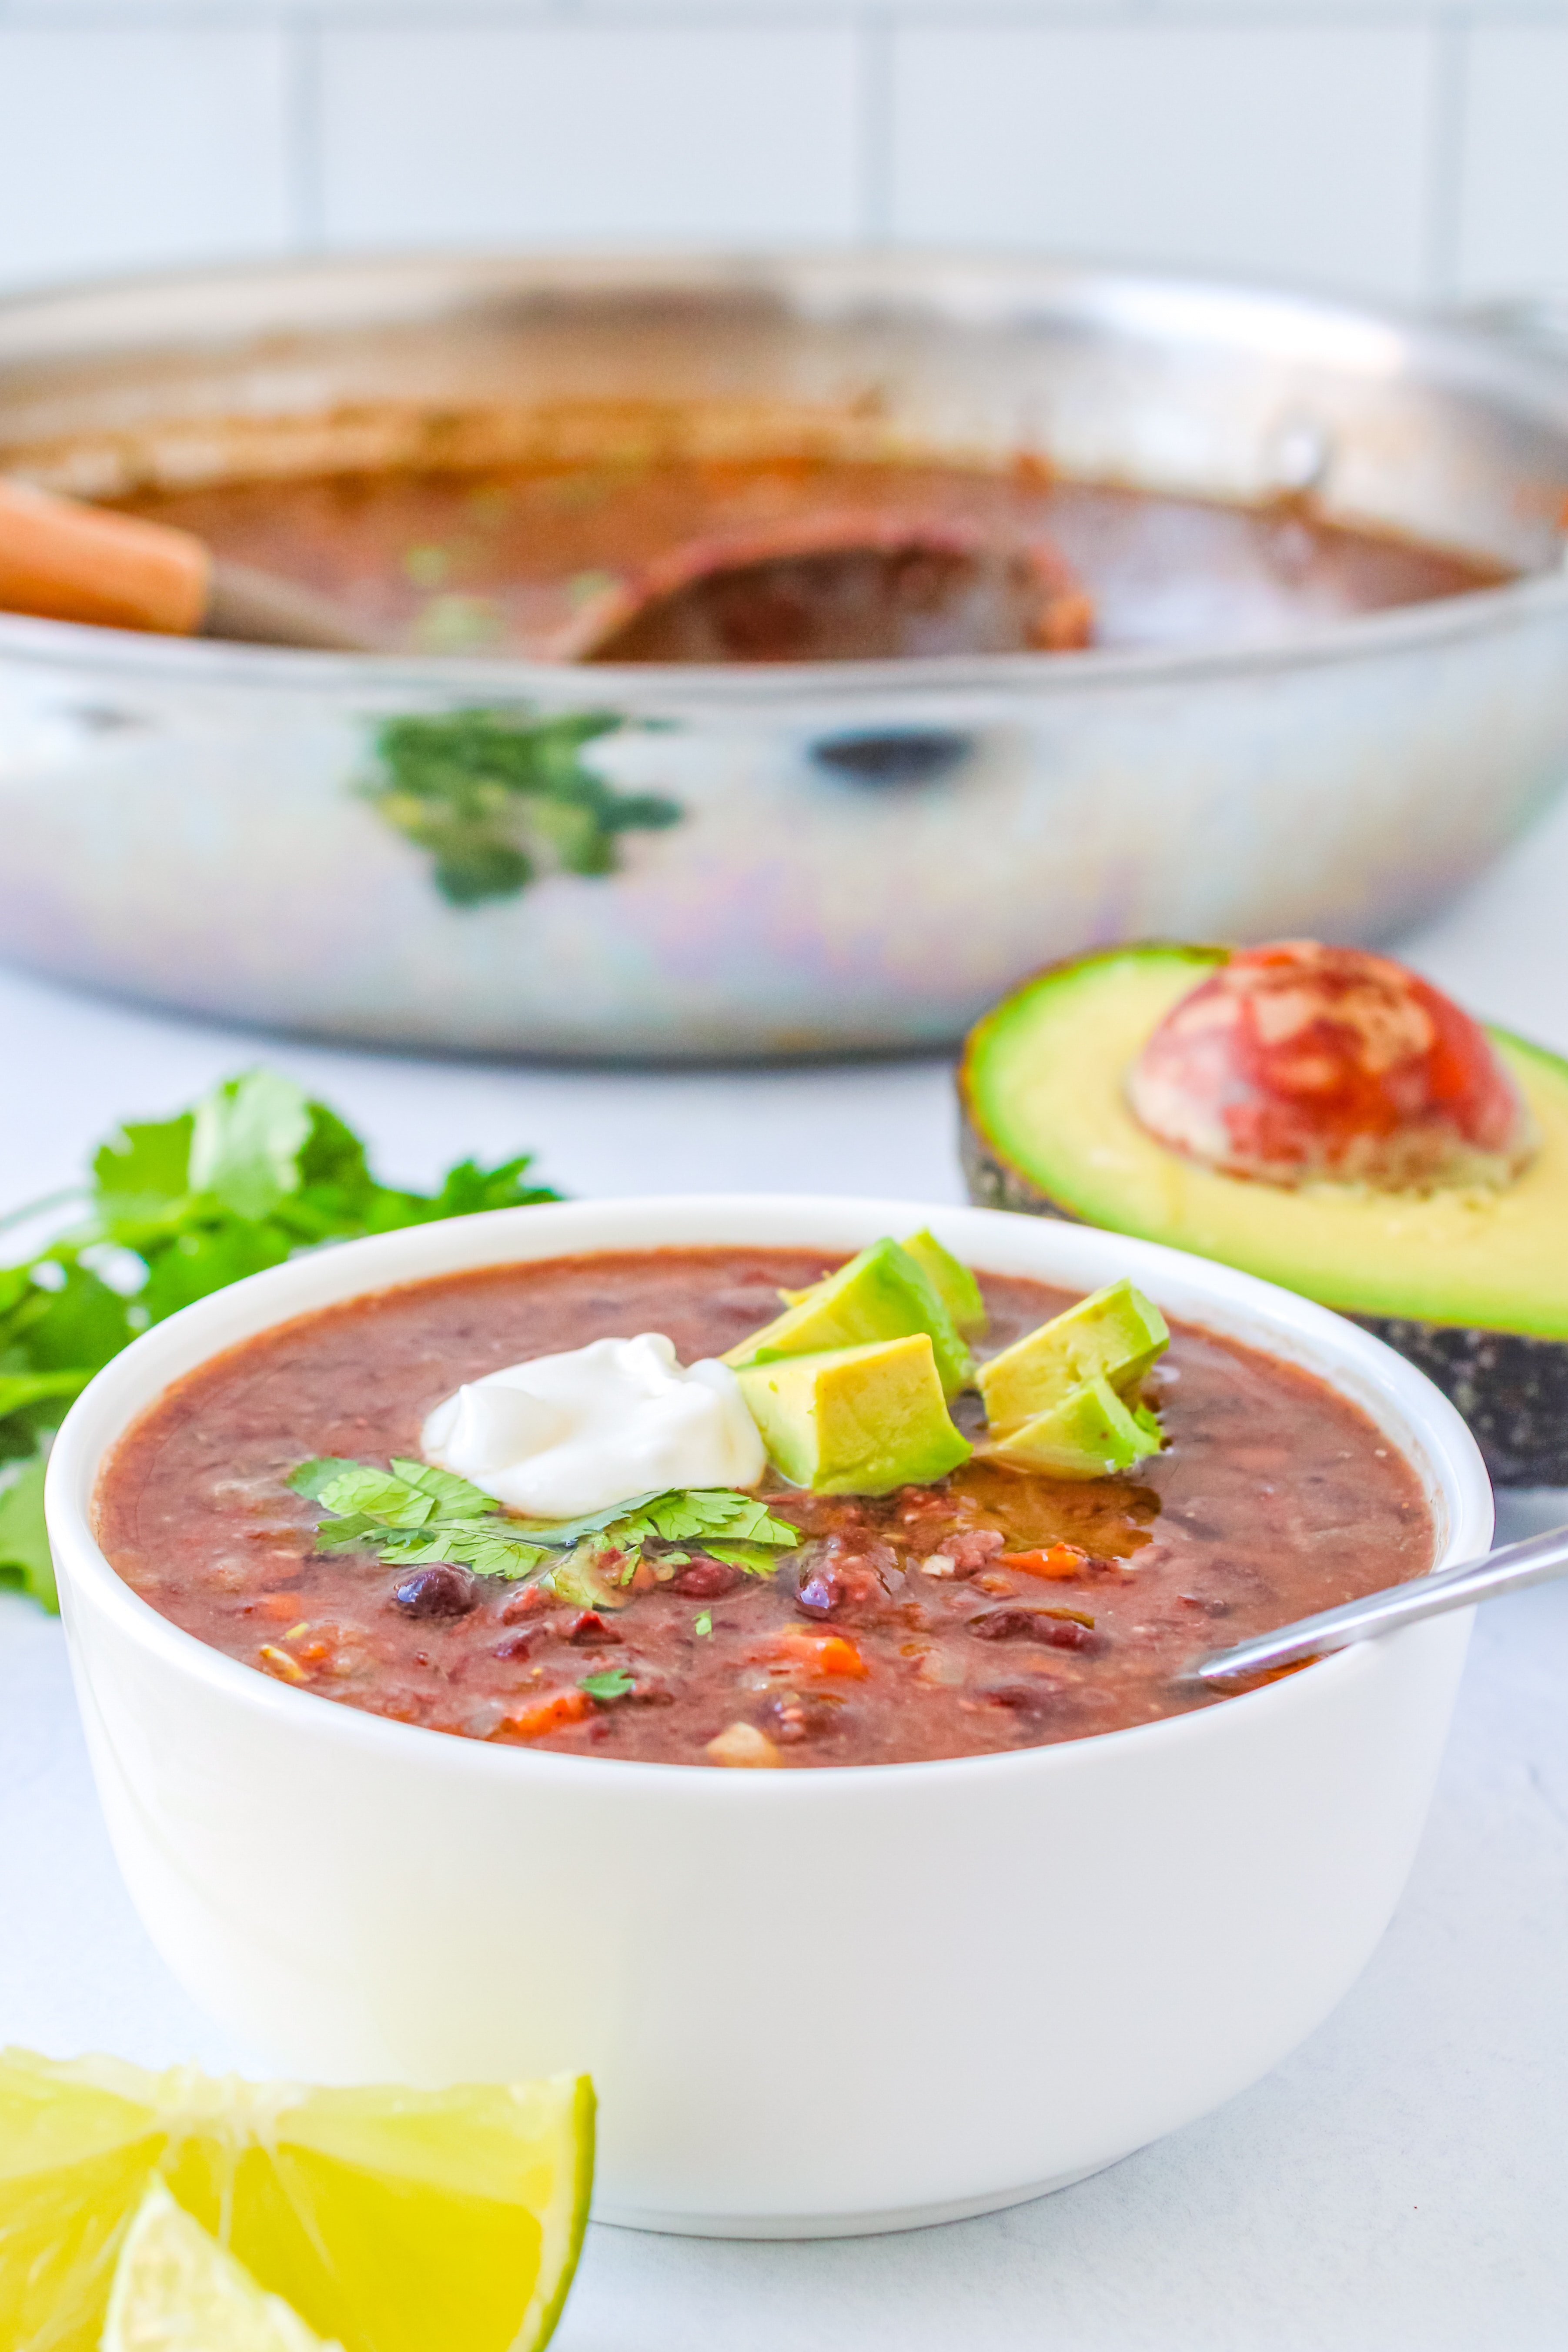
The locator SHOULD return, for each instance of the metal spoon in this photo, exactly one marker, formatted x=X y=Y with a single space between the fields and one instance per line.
x=1535 y=1561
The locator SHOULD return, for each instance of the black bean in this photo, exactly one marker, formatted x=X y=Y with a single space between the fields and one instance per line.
x=1031 y=1625
x=705 y=1579
x=441 y=1591
x=648 y=1691
x=821 y=1593
x=792 y=1716
x=1006 y=1625
x=1035 y=1698
x=1063 y=1634
x=515 y=1646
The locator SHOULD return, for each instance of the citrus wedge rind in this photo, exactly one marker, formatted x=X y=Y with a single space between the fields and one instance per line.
x=177 y=2290
x=390 y=2219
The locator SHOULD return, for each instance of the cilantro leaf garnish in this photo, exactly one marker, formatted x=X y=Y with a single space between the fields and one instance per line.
x=413 y=1513
x=751 y=1559
x=176 y=1208
x=570 y=1531
x=611 y=1683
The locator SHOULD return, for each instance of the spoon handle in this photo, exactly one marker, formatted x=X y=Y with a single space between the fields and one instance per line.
x=1535 y=1561
x=61 y=561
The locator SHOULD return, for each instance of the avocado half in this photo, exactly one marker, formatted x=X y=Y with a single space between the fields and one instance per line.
x=1470 y=1285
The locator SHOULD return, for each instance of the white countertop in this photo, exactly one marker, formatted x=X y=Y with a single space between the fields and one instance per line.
x=1396 y=2187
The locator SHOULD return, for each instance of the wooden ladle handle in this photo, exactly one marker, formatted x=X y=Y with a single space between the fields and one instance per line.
x=63 y=561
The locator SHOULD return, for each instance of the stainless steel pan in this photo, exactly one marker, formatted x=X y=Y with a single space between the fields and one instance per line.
x=808 y=859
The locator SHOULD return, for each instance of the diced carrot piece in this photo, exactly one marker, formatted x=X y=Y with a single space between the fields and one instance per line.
x=1060 y=1560
x=280 y=1604
x=549 y=1712
x=824 y=1653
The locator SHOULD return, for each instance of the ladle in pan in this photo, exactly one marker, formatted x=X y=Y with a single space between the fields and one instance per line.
x=1511 y=1568
x=840 y=584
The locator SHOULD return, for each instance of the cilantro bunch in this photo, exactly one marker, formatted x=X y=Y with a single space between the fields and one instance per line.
x=174 y=1209
x=411 y=1514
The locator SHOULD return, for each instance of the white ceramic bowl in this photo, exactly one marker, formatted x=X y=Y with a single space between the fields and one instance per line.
x=814 y=2002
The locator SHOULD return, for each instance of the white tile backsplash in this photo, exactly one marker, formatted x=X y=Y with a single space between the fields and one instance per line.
x=1513 y=172
x=1410 y=148
x=563 y=132
x=1269 y=149
x=132 y=144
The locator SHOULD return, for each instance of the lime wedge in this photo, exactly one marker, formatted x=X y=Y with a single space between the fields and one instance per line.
x=175 y=2290
x=390 y=2220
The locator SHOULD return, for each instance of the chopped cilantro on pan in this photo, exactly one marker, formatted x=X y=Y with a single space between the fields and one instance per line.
x=501 y=797
x=176 y=1208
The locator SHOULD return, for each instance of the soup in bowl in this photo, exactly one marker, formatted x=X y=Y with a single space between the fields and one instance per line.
x=419 y=1746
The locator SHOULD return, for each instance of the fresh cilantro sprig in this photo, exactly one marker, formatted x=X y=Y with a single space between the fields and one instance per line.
x=255 y=1172
x=609 y=1685
x=411 y=1513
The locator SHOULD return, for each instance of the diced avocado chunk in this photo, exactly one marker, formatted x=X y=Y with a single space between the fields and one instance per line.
x=882 y=1294
x=856 y=1421
x=953 y=1284
x=1087 y=1434
x=1113 y=1335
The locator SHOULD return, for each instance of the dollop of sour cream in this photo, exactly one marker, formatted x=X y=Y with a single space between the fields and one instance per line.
x=563 y=1435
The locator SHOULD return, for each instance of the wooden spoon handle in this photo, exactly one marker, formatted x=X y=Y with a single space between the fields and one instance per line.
x=62 y=562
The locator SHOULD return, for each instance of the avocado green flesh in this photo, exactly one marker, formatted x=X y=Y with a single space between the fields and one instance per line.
x=1089 y=1434
x=1043 y=1088
x=882 y=1294
x=1116 y=1333
x=953 y=1284
x=856 y=1421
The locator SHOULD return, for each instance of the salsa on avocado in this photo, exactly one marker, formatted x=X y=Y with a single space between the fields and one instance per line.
x=994 y=1608
x=1321 y=1116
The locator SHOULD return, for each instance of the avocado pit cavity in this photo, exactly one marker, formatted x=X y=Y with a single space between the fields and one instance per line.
x=1296 y=1063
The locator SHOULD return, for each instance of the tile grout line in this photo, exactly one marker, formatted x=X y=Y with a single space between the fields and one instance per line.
x=306 y=178
x=875 y=35
x=382 y=16
x=287 y=16
x=1446 y=169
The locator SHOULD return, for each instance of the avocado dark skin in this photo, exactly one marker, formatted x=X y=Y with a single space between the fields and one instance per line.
x=1511 y=1388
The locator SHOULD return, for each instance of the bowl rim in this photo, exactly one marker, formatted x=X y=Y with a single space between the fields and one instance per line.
x=1407 y=1406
